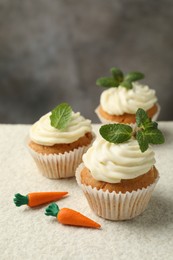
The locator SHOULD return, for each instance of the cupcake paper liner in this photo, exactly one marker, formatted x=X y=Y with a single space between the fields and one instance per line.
x=57 y=166
x=106 y=121
x=116 y=206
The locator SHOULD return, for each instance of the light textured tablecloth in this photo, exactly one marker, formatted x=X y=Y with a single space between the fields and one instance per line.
x=27 y=233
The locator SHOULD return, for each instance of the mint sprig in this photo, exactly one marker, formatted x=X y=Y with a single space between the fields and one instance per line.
x=60 y=116
x=118 y=79
x=146 y=133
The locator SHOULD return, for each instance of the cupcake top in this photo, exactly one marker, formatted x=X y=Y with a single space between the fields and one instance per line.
x=111 y=162
x=117 y=101
x=62 y=125
x=125 y=94
x=120 y=152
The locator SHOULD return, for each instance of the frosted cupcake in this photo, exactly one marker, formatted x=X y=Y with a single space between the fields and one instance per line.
x=123 y=96
x=58 y=140
x=118 y=174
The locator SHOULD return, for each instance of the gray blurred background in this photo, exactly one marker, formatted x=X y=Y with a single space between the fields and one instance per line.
x=53 y=51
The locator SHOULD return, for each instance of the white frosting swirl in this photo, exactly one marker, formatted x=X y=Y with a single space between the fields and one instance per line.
x=117 y=101
x=110 y=162
x=43 y=133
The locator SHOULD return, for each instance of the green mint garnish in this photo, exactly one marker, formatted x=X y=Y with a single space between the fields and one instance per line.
x=117 y=74
x=146 y=133
x=107 y=82
x=154 y=136
x=142 y=118
x=142 y=140
x=118 y=79
x=60 y=116
x=134 y=76
x=116 y=133
x=126 y=84
x=143 y=121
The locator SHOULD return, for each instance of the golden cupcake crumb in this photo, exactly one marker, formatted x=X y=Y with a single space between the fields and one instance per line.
x=125 y=118
x=130 y=185
x=62 y=148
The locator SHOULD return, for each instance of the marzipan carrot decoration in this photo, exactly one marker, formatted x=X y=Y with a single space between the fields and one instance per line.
x=71 y=217
x=37 y=198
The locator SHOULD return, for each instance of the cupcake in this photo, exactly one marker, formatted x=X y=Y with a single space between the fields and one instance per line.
x=118 y=174
x=58 y=140
x=123 y=96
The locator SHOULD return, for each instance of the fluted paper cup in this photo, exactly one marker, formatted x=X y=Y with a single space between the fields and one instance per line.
x=57 y=166
x=116 y=206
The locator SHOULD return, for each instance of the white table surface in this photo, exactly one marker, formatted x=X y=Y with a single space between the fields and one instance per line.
x=27 y=233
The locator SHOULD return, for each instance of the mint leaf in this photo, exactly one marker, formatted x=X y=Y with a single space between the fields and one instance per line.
x=154 y=124
x=116 y=133
x=141 y=117
x=107 y=82
x=144 y=121
x=148 y=132
x=126 y=84
x=142 y=140
x=117 y=74
x=61 y=116
x=154 y=136
x=151 y=125
x=134 y=76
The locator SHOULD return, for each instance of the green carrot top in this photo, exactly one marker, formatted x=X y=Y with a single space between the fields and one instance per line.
x=52 y=210
x=20 y=200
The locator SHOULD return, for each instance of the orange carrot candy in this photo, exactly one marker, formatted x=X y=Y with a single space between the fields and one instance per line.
x=71 y=217
x=37 y=198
